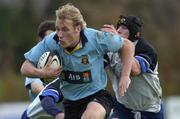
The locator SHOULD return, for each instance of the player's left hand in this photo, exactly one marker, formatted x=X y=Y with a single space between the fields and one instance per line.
x=124 y=84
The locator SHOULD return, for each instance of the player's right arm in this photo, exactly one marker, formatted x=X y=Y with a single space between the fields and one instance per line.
x=28 y=69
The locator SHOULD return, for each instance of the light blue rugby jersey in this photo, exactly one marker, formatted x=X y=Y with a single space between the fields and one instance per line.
x=83 y=70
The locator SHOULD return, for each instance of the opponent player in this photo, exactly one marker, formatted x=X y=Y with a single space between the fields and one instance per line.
x=35 y=85
x=38 y=107
x=143 y=99
x=83 y=79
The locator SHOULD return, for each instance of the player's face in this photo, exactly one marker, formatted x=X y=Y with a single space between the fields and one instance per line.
x=68 y=34
x=123 y=31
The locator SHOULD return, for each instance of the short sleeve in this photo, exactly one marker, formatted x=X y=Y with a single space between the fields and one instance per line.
x=109 y=42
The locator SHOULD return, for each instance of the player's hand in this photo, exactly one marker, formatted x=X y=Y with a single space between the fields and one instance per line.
x=124 y=84
x=60 y=116
x=109 y=28
x=49 y=72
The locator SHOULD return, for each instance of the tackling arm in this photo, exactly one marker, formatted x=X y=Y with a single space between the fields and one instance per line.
x=136 y=69
x=127 y=53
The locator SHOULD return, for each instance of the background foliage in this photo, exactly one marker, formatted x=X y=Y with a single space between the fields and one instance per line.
x=19 y=20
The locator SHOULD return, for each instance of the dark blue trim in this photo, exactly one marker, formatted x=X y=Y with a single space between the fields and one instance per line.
x=143 y=64
x=50 y=106
x=51 y=92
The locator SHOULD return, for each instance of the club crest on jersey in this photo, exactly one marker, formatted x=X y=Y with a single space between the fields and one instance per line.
x=84 y=60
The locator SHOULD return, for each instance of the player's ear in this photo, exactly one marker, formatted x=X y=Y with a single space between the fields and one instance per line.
x=78 y=28
x=138 y=34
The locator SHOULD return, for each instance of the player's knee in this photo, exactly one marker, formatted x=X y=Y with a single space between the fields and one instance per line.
x=88 y=116
x=95 y=115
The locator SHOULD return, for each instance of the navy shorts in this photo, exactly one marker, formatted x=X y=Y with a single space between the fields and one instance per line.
x=121 y=112
x=75 y=109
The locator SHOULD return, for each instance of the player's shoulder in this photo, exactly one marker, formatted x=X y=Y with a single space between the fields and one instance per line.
x=52 y=37
x=87 y=29
x=89 y=32
x=51 y=40
x=144 y=46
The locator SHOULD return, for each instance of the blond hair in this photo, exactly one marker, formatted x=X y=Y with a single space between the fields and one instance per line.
x=70 y=12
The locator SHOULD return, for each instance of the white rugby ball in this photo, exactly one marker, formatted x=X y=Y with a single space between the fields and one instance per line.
x=55 y=61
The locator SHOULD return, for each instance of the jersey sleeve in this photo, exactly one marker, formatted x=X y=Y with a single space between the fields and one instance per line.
x=144 y=64
x=103 y=42
x=47 y=44
x=109 y=42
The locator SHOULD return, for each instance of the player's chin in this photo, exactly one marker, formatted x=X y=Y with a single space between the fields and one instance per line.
x=64 y=45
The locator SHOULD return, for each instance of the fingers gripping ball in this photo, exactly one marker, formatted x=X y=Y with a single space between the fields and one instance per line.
x=55 y=63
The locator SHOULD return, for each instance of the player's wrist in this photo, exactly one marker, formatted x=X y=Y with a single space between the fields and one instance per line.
x=125 y=76
x=42 y=73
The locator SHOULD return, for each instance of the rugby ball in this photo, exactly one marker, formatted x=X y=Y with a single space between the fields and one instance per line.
x=55 y=61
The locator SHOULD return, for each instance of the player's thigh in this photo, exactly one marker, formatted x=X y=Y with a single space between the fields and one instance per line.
x=94 y=110
x=100 y=105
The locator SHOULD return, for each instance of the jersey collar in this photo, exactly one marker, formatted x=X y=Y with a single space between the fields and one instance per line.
x=83 y=39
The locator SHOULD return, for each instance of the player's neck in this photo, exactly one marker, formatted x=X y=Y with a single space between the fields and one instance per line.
x=76 y=43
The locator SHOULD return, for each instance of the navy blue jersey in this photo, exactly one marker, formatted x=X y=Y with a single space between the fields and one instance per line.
x=144 y=51
x=144 y=92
